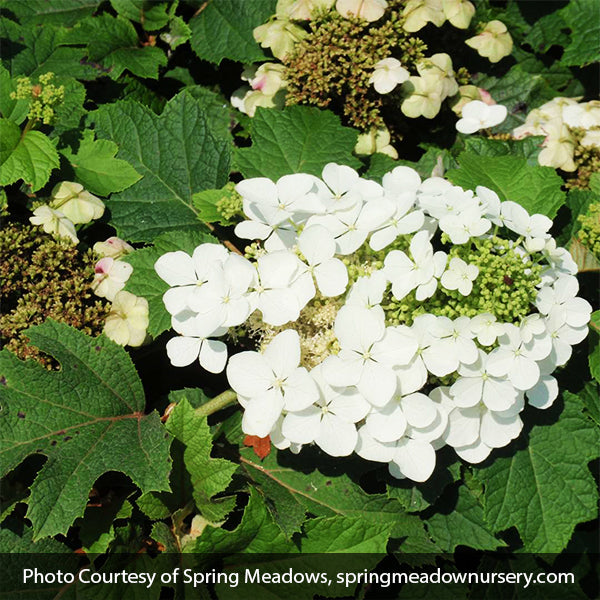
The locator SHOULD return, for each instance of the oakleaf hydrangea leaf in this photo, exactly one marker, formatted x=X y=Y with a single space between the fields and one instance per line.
x=57 y=12
x=96 y=167
x=113 y=43
x=224 y=30
x=298 y=139
x=177 y=155
x=464 y=525
x=209 y=476
x=581 y=16
x=531 y=488
x=10 y=108
x=144 y=280
x=31 y=158
x=537 y=189
x=87 y=418
x=152 y=15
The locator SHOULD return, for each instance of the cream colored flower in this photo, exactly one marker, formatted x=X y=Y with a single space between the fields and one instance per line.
x=585 y=115
x=591 y=138
x=75 y=203
x=494 y=42
x=376 y=140
x=114 y=247
x=458 y=12
x=280 y=35
x=417 y=13
x=369 y=10
x=424 y=97
x=467 y=93
x=110 y=277
x=559 y=147
x=127 y=321
x=300 y=10
x=54 y=222
x=440 y=66
x=387 y=75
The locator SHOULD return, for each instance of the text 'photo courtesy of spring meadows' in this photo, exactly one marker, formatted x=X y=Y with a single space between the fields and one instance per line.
x=299 y=299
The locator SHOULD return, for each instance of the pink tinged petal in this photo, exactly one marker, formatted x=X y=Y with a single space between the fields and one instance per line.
x=415 y=458
x=317 y=244
x=497 y=432
x=261 y=413
x=463 y=427
x=387 y=424
x=524 y=373
x=544 y=393
x=370 y=449
x=377 y=383
x=213 y=356
x=498 y=394
x=349 y=406
x=467 y=391
x=283 y=353
x=176 y=268
x=301 y=427
x=249 y=374
x=336 y=436
x=341 y=373
x=252 y=230
x=300 y=390
x=183 y=351
x=332 y=277
x=419 y=410
x=474 y=453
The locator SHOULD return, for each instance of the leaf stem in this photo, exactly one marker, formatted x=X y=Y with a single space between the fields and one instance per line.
x=217 y=403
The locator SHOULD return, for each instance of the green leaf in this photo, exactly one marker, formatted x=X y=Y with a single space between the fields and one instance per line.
x=320 y=494
x=583 y=18
x=298 y=139
x=179 y=33
x=96 y=167
x=177 y=155
x=96 y=530
x=256 y=533
x=594 y=341
x=527 y=148
x=57 y=12
x=87 y=418
x=151 y=14
x=44 y=52
x=224 y=30
x=14 y=110
x=595 y=183
x=590 y=397
x=114 y=44
x=31 y=159
x=68 y=113
x=537 y=189
x=209 y=476
x=463 y=526
x=144 y=280
x=217 y=108
x=533 y=488
x=547 y=32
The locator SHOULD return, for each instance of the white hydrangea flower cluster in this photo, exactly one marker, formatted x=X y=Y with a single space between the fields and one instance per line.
x=557 y=120
x=451 y=308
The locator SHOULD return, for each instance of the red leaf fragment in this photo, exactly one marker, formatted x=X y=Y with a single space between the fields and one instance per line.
x=262 y=446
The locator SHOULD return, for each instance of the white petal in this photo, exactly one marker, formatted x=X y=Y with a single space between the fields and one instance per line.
x=463 y=427
x=335 y=436
x=467 y=391
x=370 y=449
x=544 y=393
x=332 y=277
x=387 y=424
x=349 y=406
x=213 y=355
x=176 y=268
x=415 y=458
x=377 y=383
x=302 y=427
x=474 y=453
x=300 y=390
x=262 y=413
x=317 y=244
x=341 y=373
x=249 y=374
x=183 y=351
x=419 y=410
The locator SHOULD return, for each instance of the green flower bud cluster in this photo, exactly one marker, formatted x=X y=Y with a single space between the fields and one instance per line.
x=332 y=66
x=44 y=278
x=589 y=234
x=587 y=162
x=504 y=287
x=230 y=206
x=43 y=97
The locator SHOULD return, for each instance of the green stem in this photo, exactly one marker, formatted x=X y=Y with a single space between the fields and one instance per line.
x=217 y=403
